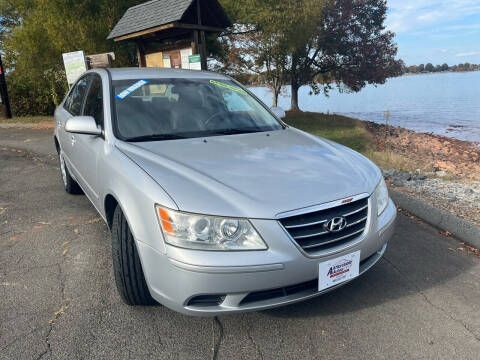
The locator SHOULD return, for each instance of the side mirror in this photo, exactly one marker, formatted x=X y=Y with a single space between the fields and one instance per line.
x=278 y=111
x=83 y=125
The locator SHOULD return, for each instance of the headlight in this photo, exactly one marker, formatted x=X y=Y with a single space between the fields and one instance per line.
x=381 y=193
x=203 y=232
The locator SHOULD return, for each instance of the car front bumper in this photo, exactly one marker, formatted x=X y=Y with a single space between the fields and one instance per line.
x=208 y=283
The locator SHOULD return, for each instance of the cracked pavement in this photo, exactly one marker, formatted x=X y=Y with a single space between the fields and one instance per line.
x=58 y=298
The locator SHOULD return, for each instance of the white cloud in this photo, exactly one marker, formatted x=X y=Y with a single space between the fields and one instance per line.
x=411 y=15
x=471 y=53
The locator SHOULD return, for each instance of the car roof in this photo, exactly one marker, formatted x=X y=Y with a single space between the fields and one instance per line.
x=138 y=73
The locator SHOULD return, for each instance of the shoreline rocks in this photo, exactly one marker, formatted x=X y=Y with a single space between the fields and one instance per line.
x=452 y=181
x=442 y=154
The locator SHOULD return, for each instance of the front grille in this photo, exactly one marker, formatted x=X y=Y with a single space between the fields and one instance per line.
x=309 y=230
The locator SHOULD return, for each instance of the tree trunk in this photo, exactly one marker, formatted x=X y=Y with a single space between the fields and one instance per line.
x=294 y=101
x=276 y=92
x=294 y=84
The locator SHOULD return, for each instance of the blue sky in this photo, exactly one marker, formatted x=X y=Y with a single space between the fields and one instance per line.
x=436 y=31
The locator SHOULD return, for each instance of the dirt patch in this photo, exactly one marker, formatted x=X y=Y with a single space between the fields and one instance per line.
x=458 y=157
x=44 y=125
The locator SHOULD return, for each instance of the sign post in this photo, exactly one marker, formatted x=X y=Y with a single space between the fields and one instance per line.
x=4 y=92
x=75 y=65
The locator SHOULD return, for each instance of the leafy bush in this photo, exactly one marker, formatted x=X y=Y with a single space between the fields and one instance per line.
x=36 y=96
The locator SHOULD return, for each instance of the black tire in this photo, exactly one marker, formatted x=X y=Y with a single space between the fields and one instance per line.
x=69 y=184
x=131 y=284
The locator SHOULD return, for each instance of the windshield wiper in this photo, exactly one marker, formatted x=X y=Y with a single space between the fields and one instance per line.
x=235 y=131
x=154 y=137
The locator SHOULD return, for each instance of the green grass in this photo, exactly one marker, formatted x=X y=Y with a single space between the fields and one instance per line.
x=27 y=119
x=346 y=131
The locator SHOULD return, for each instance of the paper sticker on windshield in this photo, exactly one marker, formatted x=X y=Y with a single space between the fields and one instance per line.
x=227 y=86
x=131 y=89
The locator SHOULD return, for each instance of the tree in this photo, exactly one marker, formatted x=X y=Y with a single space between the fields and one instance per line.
x=327 y=42
x=267 y=33
x=421 y=68
x=36 y=33
x=349 y=47
x=412 y=69
x=429 y=67
x=262 y=54
x=444 y=67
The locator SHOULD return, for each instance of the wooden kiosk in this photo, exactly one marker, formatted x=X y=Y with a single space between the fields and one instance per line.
x=171 y=33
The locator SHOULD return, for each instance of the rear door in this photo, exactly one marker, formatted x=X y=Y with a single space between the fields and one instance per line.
x=88 y=148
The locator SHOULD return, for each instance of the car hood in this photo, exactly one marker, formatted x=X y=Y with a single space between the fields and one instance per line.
x=256 y=175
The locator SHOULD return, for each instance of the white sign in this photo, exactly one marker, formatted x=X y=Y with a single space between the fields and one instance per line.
x=194 y=62
x=184 y=54
x=75 y=65
x=336 y=271
x=166 y=61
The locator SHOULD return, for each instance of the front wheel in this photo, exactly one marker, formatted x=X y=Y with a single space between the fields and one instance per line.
x=131 y=284
x=70 y=185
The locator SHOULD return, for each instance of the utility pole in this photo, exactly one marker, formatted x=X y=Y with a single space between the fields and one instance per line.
x=4 y=92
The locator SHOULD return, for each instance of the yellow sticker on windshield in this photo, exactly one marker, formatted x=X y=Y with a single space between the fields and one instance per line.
x=227 y=86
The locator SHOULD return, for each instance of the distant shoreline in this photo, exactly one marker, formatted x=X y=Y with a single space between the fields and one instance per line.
x=439 y=72
x=405 y=74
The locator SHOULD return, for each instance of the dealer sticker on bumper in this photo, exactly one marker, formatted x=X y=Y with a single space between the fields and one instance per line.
x=338 y=270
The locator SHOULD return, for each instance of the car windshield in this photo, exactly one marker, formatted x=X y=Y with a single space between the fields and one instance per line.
x=165 y=109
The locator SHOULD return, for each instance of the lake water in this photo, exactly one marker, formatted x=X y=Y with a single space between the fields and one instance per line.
x=445 y=104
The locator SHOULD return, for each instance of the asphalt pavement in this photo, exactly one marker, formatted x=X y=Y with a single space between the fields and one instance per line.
x=58 y=298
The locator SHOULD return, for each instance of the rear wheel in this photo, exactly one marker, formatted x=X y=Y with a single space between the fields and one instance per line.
x=131 y=284
x=70 y=185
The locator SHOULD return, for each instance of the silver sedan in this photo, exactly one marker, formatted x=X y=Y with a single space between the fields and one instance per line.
x=214 y=204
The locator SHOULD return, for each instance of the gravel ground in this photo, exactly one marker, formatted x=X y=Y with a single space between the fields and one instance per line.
x=459 y=197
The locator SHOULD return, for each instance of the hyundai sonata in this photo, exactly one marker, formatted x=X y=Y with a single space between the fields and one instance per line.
x=215 y=205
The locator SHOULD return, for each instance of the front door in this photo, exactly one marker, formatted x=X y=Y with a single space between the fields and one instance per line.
x=89 y=147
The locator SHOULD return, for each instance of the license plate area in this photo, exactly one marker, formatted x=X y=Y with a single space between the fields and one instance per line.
x=338 y=270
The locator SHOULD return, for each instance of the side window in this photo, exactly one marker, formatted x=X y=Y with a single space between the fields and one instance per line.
x=68 y=101
x=94 y=101
x=77 y=96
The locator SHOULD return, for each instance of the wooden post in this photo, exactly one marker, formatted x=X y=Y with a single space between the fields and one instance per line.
x=203 y=45
x=203 y=50
x=196 y=46
x=4 y=92
x=141 y=55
